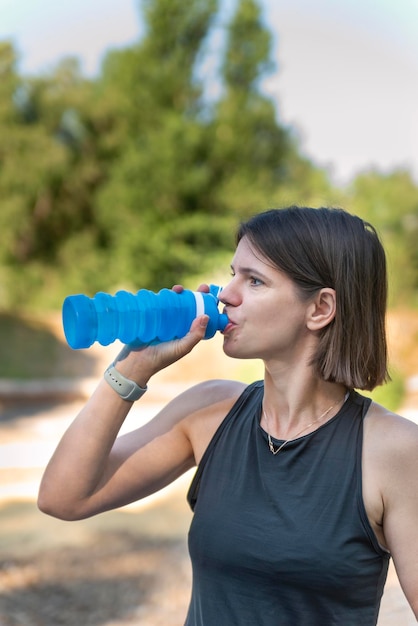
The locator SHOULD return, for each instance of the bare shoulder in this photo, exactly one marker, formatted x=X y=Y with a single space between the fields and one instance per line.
x=209 y=399
x=202 y=401
x=208 y=404
x=211 y=392
x=205 y=400
x=391 y=431
x=392 y=447
x=391 y=455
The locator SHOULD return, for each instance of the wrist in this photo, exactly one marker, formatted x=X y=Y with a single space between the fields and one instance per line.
x=126 y=388
x=134 y=365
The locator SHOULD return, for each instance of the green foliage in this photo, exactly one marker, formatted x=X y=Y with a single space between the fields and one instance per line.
x=249 y=45
x=390 y=203
x=390 y=395
x=134 y=180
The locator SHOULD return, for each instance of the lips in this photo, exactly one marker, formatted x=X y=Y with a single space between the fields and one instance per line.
x=230 y=326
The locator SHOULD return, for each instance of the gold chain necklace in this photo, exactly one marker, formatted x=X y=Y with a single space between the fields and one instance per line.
x=270 y=442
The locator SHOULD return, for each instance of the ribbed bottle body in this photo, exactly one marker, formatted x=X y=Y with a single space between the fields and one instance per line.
x=142 y=318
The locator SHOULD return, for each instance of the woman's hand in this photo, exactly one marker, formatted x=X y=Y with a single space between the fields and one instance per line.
x=140 y=363
x=93 y=471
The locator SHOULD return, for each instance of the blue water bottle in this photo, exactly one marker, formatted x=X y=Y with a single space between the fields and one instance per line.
x=142 y=318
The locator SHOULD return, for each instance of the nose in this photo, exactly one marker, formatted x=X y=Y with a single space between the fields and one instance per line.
x=229 y=295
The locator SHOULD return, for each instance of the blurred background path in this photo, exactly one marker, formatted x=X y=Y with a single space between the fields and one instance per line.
x=124 y=567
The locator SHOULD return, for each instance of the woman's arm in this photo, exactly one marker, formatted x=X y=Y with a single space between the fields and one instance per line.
x=400 y=501
x=93 y=471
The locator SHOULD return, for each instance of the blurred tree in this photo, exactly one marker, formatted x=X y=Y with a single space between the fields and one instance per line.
x=135 y=180
x=256 y=157
x=52 y=160
x=250 y=150
x=167 y=221
x=390 y=202
x=30 y=162
x=188 y=170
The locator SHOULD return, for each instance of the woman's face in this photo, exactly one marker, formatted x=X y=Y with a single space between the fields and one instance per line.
x=267 y=316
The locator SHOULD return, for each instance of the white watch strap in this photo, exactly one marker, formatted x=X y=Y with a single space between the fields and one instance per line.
x=126 y=388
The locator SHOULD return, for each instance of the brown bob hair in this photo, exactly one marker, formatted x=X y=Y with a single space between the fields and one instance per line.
x=329 y=247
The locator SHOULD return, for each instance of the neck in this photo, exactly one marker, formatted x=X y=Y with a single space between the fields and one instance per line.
x=292 y=405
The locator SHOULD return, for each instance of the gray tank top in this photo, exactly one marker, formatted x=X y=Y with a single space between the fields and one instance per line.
x=283 y=540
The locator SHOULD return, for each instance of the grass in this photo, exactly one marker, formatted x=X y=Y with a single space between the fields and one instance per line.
x=33 y=350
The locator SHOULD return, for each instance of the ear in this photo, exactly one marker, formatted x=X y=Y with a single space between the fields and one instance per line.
x=322 y=309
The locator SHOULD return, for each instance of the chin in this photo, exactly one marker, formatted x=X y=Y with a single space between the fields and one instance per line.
x=233 y=350
x=229 y=348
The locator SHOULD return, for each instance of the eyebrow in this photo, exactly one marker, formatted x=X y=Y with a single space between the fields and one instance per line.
x=249 y=271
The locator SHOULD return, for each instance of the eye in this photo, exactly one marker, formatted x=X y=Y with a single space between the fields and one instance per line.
x=255 y=282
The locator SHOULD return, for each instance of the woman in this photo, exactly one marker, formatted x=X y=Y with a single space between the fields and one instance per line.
x=304 y=487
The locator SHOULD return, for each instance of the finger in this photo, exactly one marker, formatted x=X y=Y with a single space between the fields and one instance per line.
x=177 y=349
x=199 y=325
x=197 y=331
x=204 y=288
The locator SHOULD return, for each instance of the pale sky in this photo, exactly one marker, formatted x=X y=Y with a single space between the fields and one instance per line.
x=346 y=79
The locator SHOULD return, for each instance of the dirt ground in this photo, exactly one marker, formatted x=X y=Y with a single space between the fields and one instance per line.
x=117 y=579
x=121 y=569
x=124 y=568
